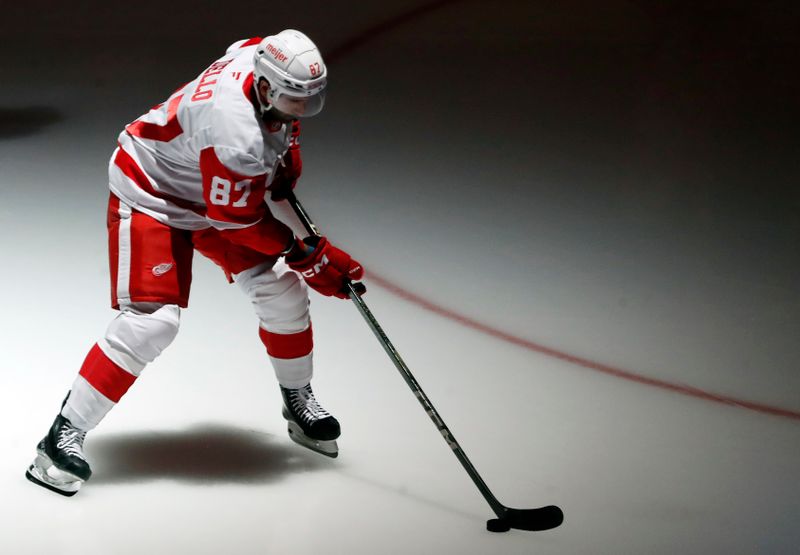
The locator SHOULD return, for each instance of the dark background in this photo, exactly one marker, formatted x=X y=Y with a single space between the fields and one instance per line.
x=616 y=180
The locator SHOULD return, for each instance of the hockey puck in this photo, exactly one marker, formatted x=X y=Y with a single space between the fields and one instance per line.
x=497 y=525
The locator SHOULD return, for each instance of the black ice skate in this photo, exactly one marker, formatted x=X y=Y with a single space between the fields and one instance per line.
x=60 y=465
x=309 y=424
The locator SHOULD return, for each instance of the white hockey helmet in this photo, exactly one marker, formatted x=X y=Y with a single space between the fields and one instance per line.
x=293 y=67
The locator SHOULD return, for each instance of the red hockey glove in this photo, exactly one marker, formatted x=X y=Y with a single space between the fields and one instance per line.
x=289 y=170
x=326 y=268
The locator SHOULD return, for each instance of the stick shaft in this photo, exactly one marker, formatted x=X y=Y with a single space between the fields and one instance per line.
x=405 y=372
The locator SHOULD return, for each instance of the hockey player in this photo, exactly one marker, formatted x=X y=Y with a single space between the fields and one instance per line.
x=192 y=174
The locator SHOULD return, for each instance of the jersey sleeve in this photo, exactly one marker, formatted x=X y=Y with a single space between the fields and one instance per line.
x=235 y=203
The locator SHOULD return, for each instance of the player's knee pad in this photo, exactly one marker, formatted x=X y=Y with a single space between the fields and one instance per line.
x=140 y=333
x=280 y=297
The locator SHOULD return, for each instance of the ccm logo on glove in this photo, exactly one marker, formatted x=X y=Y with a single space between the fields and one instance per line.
x=326 y=269
x=317 y=268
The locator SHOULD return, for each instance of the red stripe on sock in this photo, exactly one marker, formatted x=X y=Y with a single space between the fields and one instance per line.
x=291 y=345
x=105 y=376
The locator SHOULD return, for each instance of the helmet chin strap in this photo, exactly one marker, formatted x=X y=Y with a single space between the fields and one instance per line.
x=270 y=114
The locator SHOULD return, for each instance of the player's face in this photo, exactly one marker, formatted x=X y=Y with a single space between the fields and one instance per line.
x=299 y=106
x=294 y=106
x=287 y=107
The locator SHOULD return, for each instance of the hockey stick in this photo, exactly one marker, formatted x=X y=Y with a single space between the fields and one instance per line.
x=543 y=518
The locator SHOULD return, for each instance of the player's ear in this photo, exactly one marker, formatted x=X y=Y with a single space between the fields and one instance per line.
x=263 y=88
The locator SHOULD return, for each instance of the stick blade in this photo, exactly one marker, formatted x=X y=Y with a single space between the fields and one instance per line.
x=534 y=520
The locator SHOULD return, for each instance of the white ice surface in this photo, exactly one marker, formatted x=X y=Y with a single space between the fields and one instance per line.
x=517 y=221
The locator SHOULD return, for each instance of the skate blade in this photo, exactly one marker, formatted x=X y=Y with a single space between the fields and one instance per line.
x=329 y=448
x=43 y=473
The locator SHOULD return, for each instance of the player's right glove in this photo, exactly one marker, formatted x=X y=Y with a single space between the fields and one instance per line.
x=325 y=268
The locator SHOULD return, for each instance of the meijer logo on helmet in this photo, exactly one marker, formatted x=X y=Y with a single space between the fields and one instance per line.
x=277 y=53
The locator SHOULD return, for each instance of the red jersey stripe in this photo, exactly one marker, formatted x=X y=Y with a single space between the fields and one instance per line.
x=156 y=132
x=251 y=42
x=131 y=169
x=249 y=90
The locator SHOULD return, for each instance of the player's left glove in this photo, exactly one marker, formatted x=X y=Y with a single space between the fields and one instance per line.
x=289 y=170
x=325 y=268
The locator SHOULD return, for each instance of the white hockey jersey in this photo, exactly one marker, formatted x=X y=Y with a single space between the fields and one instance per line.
x=204 y=157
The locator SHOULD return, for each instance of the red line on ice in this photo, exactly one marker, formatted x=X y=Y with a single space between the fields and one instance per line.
x=576 y=360
x=344 y=50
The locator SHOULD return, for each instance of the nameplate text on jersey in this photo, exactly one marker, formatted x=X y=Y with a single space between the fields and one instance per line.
x=205 y=87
